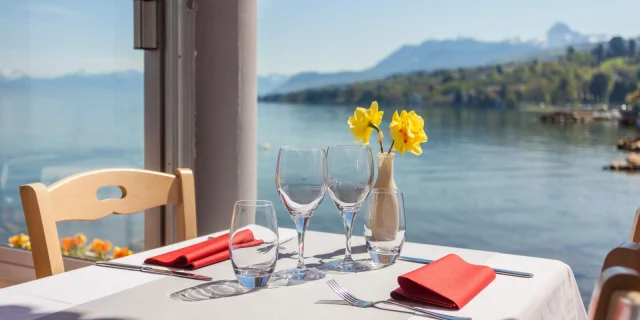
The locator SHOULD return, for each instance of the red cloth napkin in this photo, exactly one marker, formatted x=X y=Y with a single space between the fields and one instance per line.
x=448 y=282
x=204 y=253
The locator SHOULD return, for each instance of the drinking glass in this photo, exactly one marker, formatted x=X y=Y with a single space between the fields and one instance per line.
x=300 y=182
x=253 y=242
x=349 y=178
x=384 y=225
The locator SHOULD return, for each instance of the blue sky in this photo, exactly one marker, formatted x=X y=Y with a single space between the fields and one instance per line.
x=54 y=37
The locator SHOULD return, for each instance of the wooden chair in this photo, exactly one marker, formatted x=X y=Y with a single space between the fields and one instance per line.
x=614 y=283
x=620 y=278
x=75 y=198
x=628 y=253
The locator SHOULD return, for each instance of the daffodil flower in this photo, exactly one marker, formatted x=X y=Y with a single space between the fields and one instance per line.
x=79 y=240
x=407 y=131
x=364 y=121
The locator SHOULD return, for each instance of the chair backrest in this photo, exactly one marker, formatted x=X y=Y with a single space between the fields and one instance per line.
x=75 y=198
x=635 y=228
x=614 y=283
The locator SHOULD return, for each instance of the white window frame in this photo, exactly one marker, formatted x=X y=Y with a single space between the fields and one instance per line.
x=168 y=73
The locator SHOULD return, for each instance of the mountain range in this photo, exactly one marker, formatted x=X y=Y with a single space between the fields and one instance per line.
x=123 y=82
x=441 y=54
x=427 y=56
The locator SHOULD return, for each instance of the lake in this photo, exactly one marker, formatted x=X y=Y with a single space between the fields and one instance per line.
x=493 y=180
x=488 y=179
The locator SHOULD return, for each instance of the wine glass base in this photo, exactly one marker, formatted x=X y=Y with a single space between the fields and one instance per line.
x=307 y=274
x=343 y=266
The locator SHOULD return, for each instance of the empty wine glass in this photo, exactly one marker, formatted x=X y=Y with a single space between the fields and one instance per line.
x=349 y=179
x=253 y=242
x=300 y=182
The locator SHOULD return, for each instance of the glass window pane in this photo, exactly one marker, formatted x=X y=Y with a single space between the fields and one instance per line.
x=71 y=100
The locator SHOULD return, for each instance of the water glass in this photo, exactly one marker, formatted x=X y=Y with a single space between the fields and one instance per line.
x=384 y=225
x=253 y=242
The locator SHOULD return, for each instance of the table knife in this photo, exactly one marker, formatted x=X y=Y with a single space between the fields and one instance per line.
x=512 y=273
x=149 y=269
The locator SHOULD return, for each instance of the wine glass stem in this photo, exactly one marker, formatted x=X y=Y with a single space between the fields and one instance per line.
x=301 y=228
x=348 y=217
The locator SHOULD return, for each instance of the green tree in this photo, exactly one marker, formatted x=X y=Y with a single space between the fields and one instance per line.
x=458 y=98
x=599 y=86
x=565 y=90
x=633 y=50
x=571 y=51
x=620 y=91
x=598 y=53
x=504 y=90
x=617 y=48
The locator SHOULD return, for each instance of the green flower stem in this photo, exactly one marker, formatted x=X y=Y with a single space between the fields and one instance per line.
x=390 y=148
x=378 y=130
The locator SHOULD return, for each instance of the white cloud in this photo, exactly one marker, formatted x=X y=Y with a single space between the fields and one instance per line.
x=52 y=9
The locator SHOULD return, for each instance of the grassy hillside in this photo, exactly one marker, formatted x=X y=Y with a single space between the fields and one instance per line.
x=606 y=73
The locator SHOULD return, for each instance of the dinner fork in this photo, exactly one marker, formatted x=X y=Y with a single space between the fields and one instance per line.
x=352 y=300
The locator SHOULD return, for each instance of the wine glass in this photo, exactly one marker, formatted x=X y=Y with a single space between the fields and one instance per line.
x=253 y=242
x=300 y=182
x=349 y=179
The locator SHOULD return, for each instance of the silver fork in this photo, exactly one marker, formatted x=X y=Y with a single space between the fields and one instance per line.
x=352 y=300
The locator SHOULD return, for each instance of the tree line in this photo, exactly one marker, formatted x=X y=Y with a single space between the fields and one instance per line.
x=607 y=73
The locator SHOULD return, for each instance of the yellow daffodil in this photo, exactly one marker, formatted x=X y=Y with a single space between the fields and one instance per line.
x=121 y=252
x=79 y=240
x=27 y=246
x=19 y=240
x=364 y=121
x=99 y=246
x=407 y=131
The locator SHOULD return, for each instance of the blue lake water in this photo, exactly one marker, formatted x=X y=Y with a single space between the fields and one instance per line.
x=488 y=179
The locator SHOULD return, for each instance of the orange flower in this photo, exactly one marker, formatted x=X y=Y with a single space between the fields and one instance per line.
x=79 y=240
x=121 y=252
x=67 y=243
x=99 y=246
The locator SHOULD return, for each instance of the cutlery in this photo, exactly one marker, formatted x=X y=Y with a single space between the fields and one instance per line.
x=504 y=272
x=352 y=300
x=153 y=270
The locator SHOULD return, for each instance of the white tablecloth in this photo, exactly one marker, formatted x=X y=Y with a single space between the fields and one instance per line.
x=551 y=294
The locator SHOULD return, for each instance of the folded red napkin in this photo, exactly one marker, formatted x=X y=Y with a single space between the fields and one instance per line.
x=204 y=253
x=448 y=282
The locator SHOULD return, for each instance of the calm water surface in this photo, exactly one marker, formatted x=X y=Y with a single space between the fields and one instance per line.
x=488 y=180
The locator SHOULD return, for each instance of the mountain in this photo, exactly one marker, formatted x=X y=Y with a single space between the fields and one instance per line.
x=575 y=77
x=443 y=54
x=560 y=35
x=121 y=81
x=268 y=83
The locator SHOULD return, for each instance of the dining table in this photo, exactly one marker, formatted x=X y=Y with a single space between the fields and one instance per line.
x=96 y=292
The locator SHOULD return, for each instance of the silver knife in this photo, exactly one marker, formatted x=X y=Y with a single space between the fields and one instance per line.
x=149 y=269
x=512 y=273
